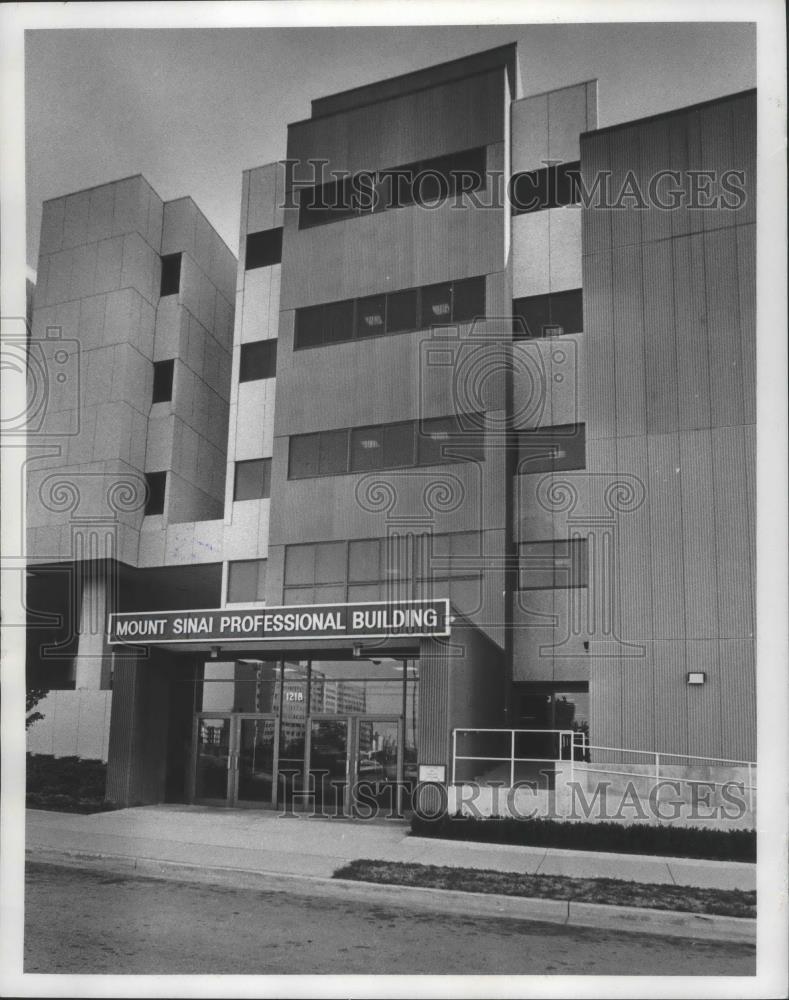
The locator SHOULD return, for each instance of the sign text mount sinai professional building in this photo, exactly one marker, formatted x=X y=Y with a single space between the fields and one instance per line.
x=464 y=440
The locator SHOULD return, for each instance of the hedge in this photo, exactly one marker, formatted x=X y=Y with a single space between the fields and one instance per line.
x=637 y=838
x=66 y=784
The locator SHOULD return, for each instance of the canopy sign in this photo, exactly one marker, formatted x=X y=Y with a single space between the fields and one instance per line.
x=371 y=620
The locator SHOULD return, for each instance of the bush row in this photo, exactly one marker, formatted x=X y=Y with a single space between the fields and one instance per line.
x=638 y=838
x=69 y=777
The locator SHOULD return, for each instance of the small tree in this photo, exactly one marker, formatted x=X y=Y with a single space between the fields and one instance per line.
x=32 y=698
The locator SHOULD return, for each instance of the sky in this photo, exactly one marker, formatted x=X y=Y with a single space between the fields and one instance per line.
x=192 y=109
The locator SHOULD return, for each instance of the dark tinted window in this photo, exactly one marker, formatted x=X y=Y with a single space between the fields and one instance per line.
x=246 y=581
x=548 y=315
x=309 y=327
x=436 y=305
x=253 y=479
x=258 y=360
x=263 y=249
x=371 y=316
x=367 y=448
x=552 y=449
x=333 y=453
x=304 y=456
x=550 y=187
x=468 y=300
x=401 y=311
x=398 y=445
x=171 y=274
x=163 y=381
x=156 y=483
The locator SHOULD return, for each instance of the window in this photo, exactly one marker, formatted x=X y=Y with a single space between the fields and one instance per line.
x=258 y=360
x=171 y=274
x=396 y=312
x=162 y=381
x=548 y=315
x=315 y=573
x=263 y=249
x=156 y=483
x=246 y=581
x=426 y=181
x=253 y=480
x=552 y=449
x=386 y=446
x=553 y=565
x=445 y=439
x=550 y=187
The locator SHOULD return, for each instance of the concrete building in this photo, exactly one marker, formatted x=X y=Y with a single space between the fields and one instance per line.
x=475 y=349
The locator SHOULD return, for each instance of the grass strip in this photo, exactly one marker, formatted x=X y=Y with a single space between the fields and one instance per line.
x=611 y=891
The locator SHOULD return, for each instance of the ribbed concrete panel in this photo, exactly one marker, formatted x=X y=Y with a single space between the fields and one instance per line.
x=704 y=700
x=564 y=240
x=389 y=251
x=738 y=697
x=678 y=161
x=660 y=347
x=595 y=163
x=671 y=703
x=746 y=273
x=698 y=535
x=717 y=147
x=257 y=303
x=726 y=375
x=743 y=114
x=530 y=254
x=628 y=308
x=599 y=324
x=749 y=437
x=736 y=569
x=532 y=520
x=655 y=157
x=634 y=549
x=252 y=428
x=567 y=118
x=691 y=333
x=529 y=133
x=534 y=633
x=263 y=210
x=638 y=701
x=442 y=119
x=434 y=666
x=605 y=704
x=665 y=514
x=625 y=157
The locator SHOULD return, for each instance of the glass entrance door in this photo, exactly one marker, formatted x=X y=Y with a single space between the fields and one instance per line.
x=255 y=761
x=378 y=771
x=212 y=759
x=329 y=764
x=235 y=759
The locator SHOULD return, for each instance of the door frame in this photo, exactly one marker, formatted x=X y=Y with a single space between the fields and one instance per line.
x=231 y=799
x=352 y=753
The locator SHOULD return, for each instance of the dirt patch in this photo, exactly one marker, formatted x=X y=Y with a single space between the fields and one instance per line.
x=616 y=892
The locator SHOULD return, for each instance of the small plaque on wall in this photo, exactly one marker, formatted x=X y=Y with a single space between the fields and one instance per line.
x=436 y=773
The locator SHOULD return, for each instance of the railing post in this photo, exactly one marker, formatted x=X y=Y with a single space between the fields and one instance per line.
x=750 y=792
x=657 y=771
x=454 y=754
x=512 y=758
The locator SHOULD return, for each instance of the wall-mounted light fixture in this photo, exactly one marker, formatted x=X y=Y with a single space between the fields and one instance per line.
x=357 y=649
x=215 y=652
x=696 y=677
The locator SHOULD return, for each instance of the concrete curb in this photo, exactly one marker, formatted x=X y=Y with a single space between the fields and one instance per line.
x=628 y=919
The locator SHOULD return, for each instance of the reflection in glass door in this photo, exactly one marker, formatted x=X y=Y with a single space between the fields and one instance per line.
x=255 y=761
x=378 y=766
x=213 y=761
x=328 y=764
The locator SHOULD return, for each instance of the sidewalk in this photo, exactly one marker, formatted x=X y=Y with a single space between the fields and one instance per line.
x=262 y=842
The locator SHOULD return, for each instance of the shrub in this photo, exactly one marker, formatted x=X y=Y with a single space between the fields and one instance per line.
x=70 y=777
x=638 y=838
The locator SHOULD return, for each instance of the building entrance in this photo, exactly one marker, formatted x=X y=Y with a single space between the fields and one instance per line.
x=235 y=759
x=336 y=737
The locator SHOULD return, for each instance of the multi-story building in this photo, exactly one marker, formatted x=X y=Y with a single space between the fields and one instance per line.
x=478 y=350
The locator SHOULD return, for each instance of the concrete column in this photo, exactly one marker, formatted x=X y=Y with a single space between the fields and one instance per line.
x=93 y=659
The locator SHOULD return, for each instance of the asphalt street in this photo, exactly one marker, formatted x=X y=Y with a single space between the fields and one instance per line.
x=80 y=921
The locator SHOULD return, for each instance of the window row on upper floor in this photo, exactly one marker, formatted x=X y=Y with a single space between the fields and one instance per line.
x=424 y=182
x=393 y=312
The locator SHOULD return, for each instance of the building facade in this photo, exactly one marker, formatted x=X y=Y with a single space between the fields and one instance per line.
x=474 y=350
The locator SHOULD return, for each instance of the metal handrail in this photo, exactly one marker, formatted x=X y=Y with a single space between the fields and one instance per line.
x=576 y=740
